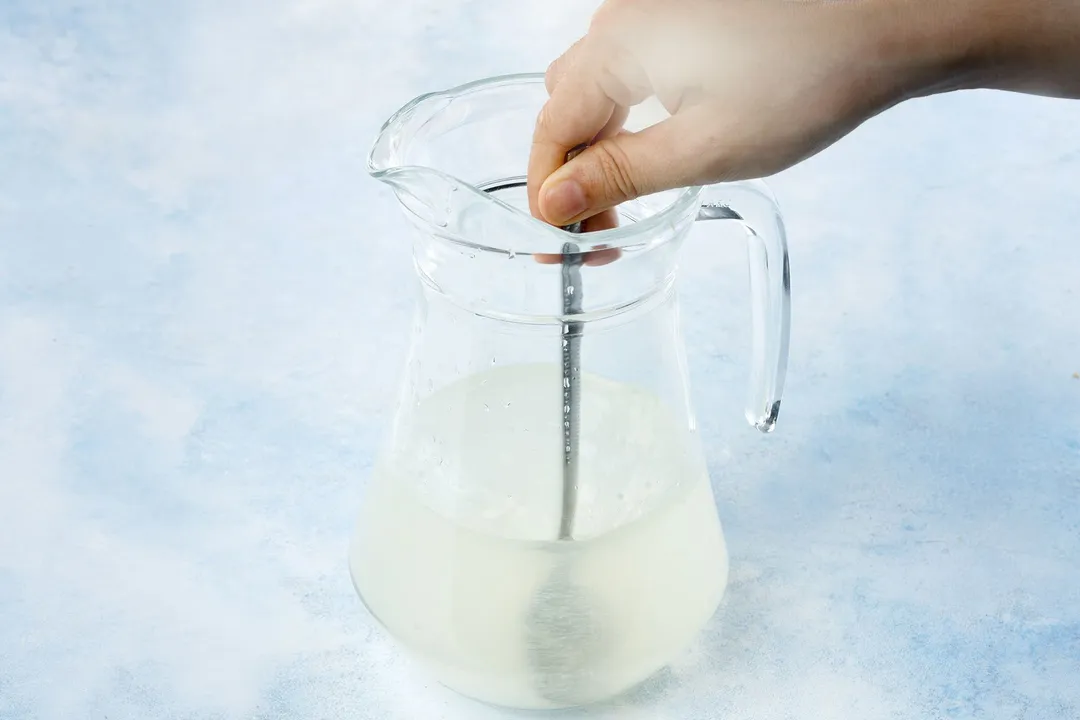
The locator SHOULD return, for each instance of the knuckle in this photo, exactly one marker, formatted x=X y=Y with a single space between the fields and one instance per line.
x=550 y=130
x=606 y=14
x=612 y=87
x=543 y=122
x=551 y=77
x=615 y=17
x=623 y=81
x=600 y=18
x=566 y=65
x=617 y=89
x=616 y=173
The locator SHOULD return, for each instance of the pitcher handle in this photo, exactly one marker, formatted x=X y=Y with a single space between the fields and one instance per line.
x=752 y=205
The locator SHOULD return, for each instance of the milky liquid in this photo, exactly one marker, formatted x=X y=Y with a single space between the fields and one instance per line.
x=455 y=550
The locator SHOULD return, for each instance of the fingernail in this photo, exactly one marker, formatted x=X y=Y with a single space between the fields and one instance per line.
x=562 y=201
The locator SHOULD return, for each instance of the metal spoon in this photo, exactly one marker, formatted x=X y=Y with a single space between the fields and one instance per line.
x=563 y=627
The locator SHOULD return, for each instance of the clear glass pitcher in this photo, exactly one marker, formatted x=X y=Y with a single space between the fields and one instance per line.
x=460 y=550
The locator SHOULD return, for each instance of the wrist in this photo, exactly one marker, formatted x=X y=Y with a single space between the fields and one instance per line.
x=906 y=49
x=917 y=48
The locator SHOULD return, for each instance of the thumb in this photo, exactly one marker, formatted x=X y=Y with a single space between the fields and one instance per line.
x=626 y=166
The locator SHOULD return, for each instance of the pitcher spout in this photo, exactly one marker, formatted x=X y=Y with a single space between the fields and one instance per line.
x=390 y=150
x=458 y=211
x=424 y=193
x=422 y=190
x=457 y=160
x=446 y=154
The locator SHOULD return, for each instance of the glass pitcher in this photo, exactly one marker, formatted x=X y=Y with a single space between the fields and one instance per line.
x=459 y=550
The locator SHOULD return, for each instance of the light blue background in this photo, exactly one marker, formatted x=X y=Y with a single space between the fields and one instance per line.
x=202 y=298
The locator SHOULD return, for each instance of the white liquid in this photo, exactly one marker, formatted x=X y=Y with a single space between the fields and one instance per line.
x=455 y=553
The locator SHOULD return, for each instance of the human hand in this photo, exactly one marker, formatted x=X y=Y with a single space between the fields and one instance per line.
x=752 y=86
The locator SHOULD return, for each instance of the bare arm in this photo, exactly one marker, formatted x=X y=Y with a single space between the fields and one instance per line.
x=1028 y=46
x=755 y=86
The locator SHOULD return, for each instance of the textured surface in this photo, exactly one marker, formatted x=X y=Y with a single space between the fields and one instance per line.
x=201 y=298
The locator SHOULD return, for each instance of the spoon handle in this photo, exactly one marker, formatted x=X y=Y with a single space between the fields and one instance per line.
x=572 y=297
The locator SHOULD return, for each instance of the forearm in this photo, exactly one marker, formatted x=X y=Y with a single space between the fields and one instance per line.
x=1030 y=46
x=922 y=47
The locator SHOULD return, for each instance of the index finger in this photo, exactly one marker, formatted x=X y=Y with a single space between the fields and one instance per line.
x=577 y=111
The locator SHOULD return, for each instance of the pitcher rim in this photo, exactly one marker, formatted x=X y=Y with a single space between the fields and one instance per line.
x=623 y=236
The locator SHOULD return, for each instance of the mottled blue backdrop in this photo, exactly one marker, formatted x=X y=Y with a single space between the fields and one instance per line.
x=202 y=299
